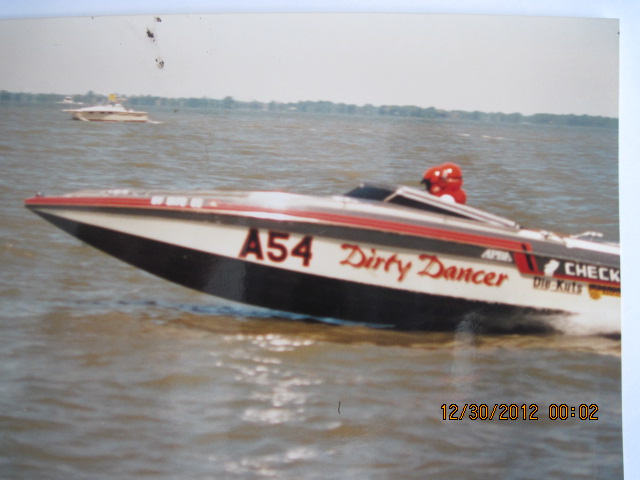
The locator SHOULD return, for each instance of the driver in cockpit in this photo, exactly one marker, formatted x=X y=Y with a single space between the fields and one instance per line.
x=445 y=181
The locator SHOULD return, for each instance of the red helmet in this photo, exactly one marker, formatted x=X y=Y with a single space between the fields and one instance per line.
x=445 y=179
x=432 y=177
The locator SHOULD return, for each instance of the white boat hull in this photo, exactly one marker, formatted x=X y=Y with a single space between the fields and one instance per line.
x=113 y=112
x=105 y=116
x=343 y=267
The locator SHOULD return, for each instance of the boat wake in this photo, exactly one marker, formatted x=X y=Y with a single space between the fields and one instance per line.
x=585 y=324
x=225 y=315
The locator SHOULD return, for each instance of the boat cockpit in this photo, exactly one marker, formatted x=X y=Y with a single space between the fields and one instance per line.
x=422 y=200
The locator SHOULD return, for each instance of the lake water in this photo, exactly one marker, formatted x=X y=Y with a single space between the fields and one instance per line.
x=108 y=372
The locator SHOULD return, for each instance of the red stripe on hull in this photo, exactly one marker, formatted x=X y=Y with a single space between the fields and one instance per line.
x=346 y=220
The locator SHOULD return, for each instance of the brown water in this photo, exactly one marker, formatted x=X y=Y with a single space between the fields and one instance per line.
x=108 y=372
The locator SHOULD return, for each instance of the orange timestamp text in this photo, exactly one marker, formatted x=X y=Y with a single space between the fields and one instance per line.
x=514 y=411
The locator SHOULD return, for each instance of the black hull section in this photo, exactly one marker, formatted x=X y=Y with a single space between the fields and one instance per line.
x=309 y=295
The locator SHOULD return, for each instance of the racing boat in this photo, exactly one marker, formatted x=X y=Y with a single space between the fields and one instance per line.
x=378 y=255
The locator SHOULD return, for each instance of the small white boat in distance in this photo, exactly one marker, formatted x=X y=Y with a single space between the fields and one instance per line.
x=70 y=101
x=113 y=111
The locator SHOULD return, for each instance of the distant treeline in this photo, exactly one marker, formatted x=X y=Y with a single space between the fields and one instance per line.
x=229 y=103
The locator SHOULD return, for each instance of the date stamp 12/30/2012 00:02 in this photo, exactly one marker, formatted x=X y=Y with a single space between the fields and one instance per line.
x=513 y=411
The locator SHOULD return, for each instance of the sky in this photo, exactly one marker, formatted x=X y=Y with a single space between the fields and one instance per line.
x=483 y=63
x=565 y=64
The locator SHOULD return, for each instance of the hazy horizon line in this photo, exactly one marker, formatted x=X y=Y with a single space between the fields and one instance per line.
x=101 y=96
